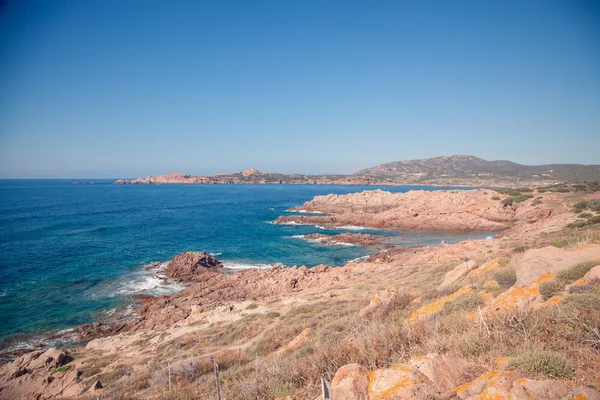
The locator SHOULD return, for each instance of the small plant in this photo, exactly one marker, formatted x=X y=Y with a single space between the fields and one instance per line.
x=506 y=276
x=542 y=362
x=585 y=215
x=495 y=198
x=577 y=210
x=520 y=249
x=551 y=288
x=252 y=306
x=64 y=368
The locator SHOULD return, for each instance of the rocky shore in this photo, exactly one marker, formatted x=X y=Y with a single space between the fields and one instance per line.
x=439 y=321
x=440 y=210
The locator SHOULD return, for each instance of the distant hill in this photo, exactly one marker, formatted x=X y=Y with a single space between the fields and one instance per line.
x=454 y=170
x=469 y=167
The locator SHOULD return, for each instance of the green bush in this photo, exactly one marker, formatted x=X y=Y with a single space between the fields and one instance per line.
x=577 y=210
x=520 y=249
x=506 y=276
x=585 y=215
x=551 y=288
x=575 y=272
x=542 y=362
x=495 y=198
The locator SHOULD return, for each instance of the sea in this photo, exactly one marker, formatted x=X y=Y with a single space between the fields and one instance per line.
x=74 y=253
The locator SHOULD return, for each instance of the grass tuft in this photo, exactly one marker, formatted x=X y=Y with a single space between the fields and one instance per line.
x=542 y=362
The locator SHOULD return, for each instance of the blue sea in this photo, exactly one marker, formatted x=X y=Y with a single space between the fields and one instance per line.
x=72 y=254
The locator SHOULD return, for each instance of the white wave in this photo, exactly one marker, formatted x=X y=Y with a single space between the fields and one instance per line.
x=359 y=259
x=320 y=227
x=343 y=244
x=2 y=292
x=152 y=282
x=241 y=266
x=297 y=236
x=352 y=228
x=215 y=254
x=303 y=211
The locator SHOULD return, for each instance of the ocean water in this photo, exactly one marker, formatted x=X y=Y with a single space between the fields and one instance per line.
x=70 y=254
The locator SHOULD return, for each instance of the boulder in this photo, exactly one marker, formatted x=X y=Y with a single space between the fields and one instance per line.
x=457 y=273
x=380 y=299
x=190 y=264
x=350 y=383
x=497 y=384
x=446 y=371
x=399 y=382
x=589 y=392
x=537 y=262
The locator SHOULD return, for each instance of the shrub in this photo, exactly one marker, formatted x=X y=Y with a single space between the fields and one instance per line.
x=576 y=271
x=560 y=243
x=551 y=288
x=577 y=210
x=495 y=198
x=542 y=362
x=506 y=276
x=466 y=302
x=252 y=306
x=585 y=215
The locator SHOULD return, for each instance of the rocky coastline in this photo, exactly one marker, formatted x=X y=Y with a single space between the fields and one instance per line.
x=219 y=312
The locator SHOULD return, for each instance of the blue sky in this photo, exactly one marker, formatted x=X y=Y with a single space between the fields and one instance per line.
x=131 y=88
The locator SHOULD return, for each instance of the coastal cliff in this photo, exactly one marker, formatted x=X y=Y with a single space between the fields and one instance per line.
x=512 y=317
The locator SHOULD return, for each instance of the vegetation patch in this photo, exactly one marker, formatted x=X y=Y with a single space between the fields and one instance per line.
x=576 y=272
x=509 y=201
x=64 y=368
x=506 y=276
x=542 y=362
x=465 y=302
x=551 y=288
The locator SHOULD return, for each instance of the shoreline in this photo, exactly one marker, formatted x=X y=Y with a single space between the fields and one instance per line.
x=257 y=302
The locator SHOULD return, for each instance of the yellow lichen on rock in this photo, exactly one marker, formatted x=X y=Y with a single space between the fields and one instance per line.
x=303 y=337
x=486 y=268
x=490 y=284
x=400 y=381
x=436 y=306
x=517 y=297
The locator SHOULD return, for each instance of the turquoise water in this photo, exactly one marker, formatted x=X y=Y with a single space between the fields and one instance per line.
x=72 y=253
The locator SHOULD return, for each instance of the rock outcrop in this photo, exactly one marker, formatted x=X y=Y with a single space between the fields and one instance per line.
x=189 y=265
x=40 y=375
x=442 y=210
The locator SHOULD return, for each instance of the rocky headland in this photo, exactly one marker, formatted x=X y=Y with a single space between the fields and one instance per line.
x=454 y=170
x=440 y=210
x=513 y=317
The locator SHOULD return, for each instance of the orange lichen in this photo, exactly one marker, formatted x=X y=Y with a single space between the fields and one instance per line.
x=297 y=341
x=485 y=268
x=436 y=306
x=491 y=284
x=517 y=296
x=486 y=296
x=393 y=382
x=501 y=362
x=486 y=382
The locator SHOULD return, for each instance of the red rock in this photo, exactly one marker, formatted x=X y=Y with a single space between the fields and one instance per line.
x=188 y=265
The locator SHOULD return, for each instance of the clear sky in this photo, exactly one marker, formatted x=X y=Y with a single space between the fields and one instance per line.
x=128 y=88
